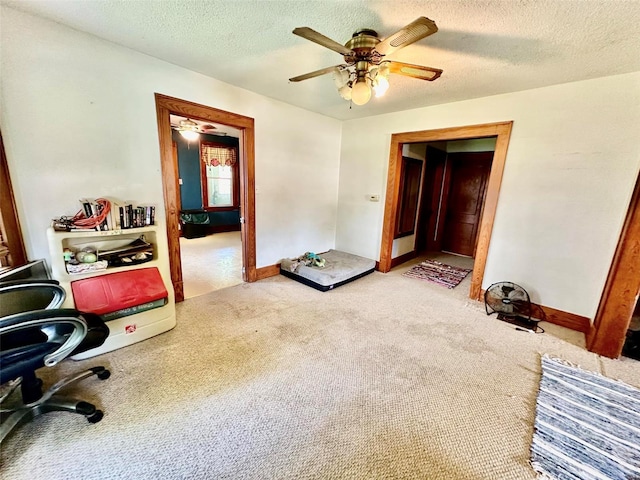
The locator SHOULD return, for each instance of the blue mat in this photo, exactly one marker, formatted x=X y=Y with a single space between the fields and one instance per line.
x=587 y=426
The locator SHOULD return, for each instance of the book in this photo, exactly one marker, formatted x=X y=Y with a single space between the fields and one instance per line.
x=121 y=215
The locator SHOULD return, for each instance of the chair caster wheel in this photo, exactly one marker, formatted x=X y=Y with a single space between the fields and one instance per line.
x=96 y=417
x=103 y=375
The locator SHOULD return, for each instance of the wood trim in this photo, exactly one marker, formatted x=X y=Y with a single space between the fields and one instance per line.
x=565 y=319
x=621 y=289
x=391 y=201
x=558 y=317
x=12 y=233
x=174 y=146
x=404 y=258
x=248 y=203
x=266 y=272
x=204 y=186
x=500 y=130
x=166 y=105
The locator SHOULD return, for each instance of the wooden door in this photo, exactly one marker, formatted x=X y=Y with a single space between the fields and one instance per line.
x=468 y=180
x=426 y=238
x=409 y=192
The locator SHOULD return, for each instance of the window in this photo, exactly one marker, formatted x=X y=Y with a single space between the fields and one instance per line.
x=220 y=182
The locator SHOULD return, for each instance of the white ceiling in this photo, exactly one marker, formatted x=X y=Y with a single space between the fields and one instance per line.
x=485 y=47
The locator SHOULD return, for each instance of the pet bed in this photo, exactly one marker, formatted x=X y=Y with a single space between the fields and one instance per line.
x=340 y=268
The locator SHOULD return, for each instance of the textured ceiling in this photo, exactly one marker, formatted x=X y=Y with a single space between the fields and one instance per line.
x=485 y=47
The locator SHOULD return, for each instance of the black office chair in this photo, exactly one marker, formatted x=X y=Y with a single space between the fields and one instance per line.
x=34 y=333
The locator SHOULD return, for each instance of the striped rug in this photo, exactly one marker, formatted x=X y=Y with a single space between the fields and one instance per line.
x=440 y=273
x=587 y=426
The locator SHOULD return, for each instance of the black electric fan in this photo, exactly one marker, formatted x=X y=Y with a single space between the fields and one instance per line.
x=512 y=304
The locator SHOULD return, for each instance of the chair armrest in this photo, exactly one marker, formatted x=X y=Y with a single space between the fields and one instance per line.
x=59 y=293
x=45 y=318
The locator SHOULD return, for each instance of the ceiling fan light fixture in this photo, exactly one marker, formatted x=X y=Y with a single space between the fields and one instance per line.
x=345 y=92
x=361 y=92
x=341 y=77
x=366 y=64
x=380 y=85
x=189 y=134
x=189 y=129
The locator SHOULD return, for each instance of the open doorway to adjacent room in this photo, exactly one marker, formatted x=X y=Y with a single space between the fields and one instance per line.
x=207 y=155
x=448 y=193
x=212 y=193
x=442 y=192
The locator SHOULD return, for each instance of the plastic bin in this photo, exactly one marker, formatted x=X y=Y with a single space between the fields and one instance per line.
x=194 y=223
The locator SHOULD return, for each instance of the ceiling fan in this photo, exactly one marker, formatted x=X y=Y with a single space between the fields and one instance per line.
x=366 y=66
x=191 y=130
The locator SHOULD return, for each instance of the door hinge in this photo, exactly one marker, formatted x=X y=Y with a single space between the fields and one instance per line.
x=241 y=220
x=244 y=270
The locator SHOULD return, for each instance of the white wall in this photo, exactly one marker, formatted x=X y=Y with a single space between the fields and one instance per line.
x=572 y=162
x=79 y=120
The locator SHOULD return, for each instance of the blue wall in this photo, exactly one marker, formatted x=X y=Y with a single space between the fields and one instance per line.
x=189 y=172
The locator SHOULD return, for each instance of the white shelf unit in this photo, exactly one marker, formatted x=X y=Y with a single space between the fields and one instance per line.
x=125 y=330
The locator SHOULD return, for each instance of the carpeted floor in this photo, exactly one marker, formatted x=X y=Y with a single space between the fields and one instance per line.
x=385 y=377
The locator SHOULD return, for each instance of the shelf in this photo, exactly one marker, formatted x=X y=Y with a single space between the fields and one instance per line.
x=134 y=328
x=102 y=233
x=81 y=276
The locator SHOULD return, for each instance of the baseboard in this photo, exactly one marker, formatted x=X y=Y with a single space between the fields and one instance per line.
x=558 y=317
x=266 y=272
x=566 y=319
x=403 y=258
x=211 y=229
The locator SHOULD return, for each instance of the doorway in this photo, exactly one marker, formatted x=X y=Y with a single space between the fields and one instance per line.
x=12 y=250
x=612 y=321
x=165 y=106
x=502 y=132
x=210 y=237
x=453 y=191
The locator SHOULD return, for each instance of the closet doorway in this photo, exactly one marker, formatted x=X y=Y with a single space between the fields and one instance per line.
x=476 y=228
x=453 y=190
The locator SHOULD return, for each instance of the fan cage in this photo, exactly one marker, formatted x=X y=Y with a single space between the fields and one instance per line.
x=499 y=292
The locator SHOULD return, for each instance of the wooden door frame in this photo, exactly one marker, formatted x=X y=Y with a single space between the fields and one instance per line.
x=607 y=334
x=9 y=214
x=168 y=105
x=502 y=131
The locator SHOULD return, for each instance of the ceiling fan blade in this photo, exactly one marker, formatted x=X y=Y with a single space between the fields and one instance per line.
x=317 y=73
x=417 y=30
x=312 y=35
x=415 y=71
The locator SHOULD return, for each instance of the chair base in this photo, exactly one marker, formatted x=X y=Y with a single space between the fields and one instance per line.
x=51 y=402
